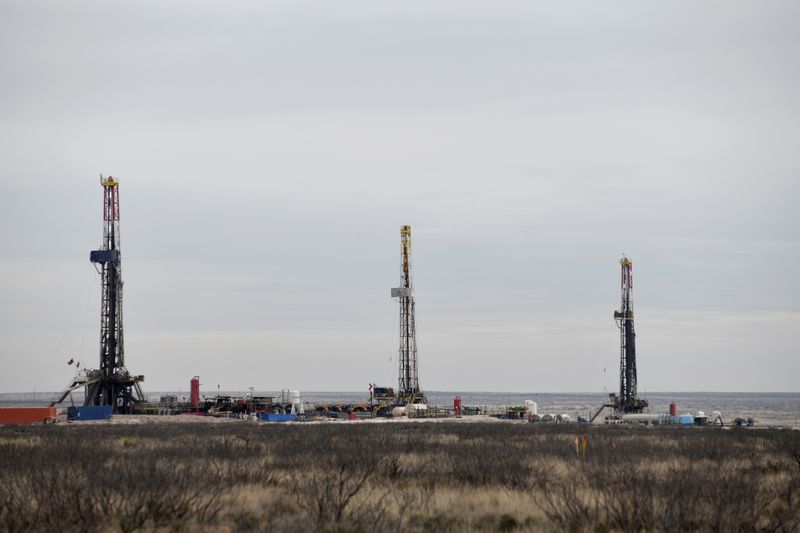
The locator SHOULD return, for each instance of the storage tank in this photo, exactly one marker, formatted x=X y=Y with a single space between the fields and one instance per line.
x=531 y=407
x=457 y=406
x=548 y=418
x=194 y=387
x=399 y=411
x=673 y=409
x=563 y=419
x=642 y=418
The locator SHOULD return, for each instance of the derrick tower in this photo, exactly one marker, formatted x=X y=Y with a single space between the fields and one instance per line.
x=111 y=383
x=408 y=384
x=628 y=400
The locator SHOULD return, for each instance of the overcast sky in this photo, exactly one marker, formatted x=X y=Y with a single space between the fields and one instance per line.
x=268 y=153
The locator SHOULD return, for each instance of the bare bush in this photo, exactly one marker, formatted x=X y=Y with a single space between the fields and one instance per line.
x=330 y=487
x=412 y=476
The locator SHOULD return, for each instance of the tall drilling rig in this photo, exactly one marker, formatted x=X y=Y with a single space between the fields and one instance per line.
x=111 y=384
x=628 y=400
x=408 y=384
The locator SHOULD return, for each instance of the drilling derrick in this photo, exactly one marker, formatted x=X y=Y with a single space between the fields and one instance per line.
x=628 y=400
x=111 y=384
x=408 y=384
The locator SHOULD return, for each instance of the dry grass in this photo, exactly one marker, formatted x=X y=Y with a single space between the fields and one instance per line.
x=401 y=477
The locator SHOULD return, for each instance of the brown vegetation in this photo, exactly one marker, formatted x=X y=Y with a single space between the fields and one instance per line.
x=417 y=477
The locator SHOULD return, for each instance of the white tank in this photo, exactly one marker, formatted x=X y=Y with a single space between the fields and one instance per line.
x=531 y=407
x=399 y=411
x=294 y=397
x=642 y=418
x=548 y=418
x=563 y=419
x=290 y=396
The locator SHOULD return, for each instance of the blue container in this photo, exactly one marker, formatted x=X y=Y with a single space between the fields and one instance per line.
x=104 y=256
x=686 y=420
x=274 y=417
x=90 y=412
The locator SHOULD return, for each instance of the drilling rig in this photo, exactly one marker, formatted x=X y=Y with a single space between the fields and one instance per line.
x=111 y=384
x=408 y=384
x=628 y=400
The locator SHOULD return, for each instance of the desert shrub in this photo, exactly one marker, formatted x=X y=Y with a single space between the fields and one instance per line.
x=328 y=486
x=387 y=476
x=487 y=463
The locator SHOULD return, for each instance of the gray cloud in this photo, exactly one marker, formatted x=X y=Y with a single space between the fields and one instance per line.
x=269 y=153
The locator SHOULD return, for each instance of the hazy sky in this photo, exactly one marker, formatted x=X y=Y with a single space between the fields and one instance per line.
x=268 y=153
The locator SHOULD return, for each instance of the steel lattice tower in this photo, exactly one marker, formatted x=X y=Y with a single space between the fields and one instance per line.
x=111 y=384
x=628 y=400
x=408 y=384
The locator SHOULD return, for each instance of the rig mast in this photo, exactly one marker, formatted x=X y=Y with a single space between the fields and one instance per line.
x=628 y=400
x=408 y=384
x=111 y=384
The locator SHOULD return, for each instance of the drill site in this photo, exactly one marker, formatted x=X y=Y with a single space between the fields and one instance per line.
x=111 y=391
x=424 y=267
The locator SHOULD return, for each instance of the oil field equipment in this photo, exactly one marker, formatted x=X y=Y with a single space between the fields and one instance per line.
x=408 y=391
x=628 y=400
x=111 y=384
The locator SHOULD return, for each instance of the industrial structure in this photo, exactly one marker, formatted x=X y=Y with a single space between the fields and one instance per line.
x=628 y=400
x=408 y=391
x=110 y=384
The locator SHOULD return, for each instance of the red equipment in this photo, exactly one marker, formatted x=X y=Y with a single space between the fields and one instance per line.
x=195 y=394
x=27 y=415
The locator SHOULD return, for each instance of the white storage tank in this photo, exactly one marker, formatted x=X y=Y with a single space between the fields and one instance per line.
x=531 y=407
x=399 y=411
x=290 y=396
x=642 y=418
